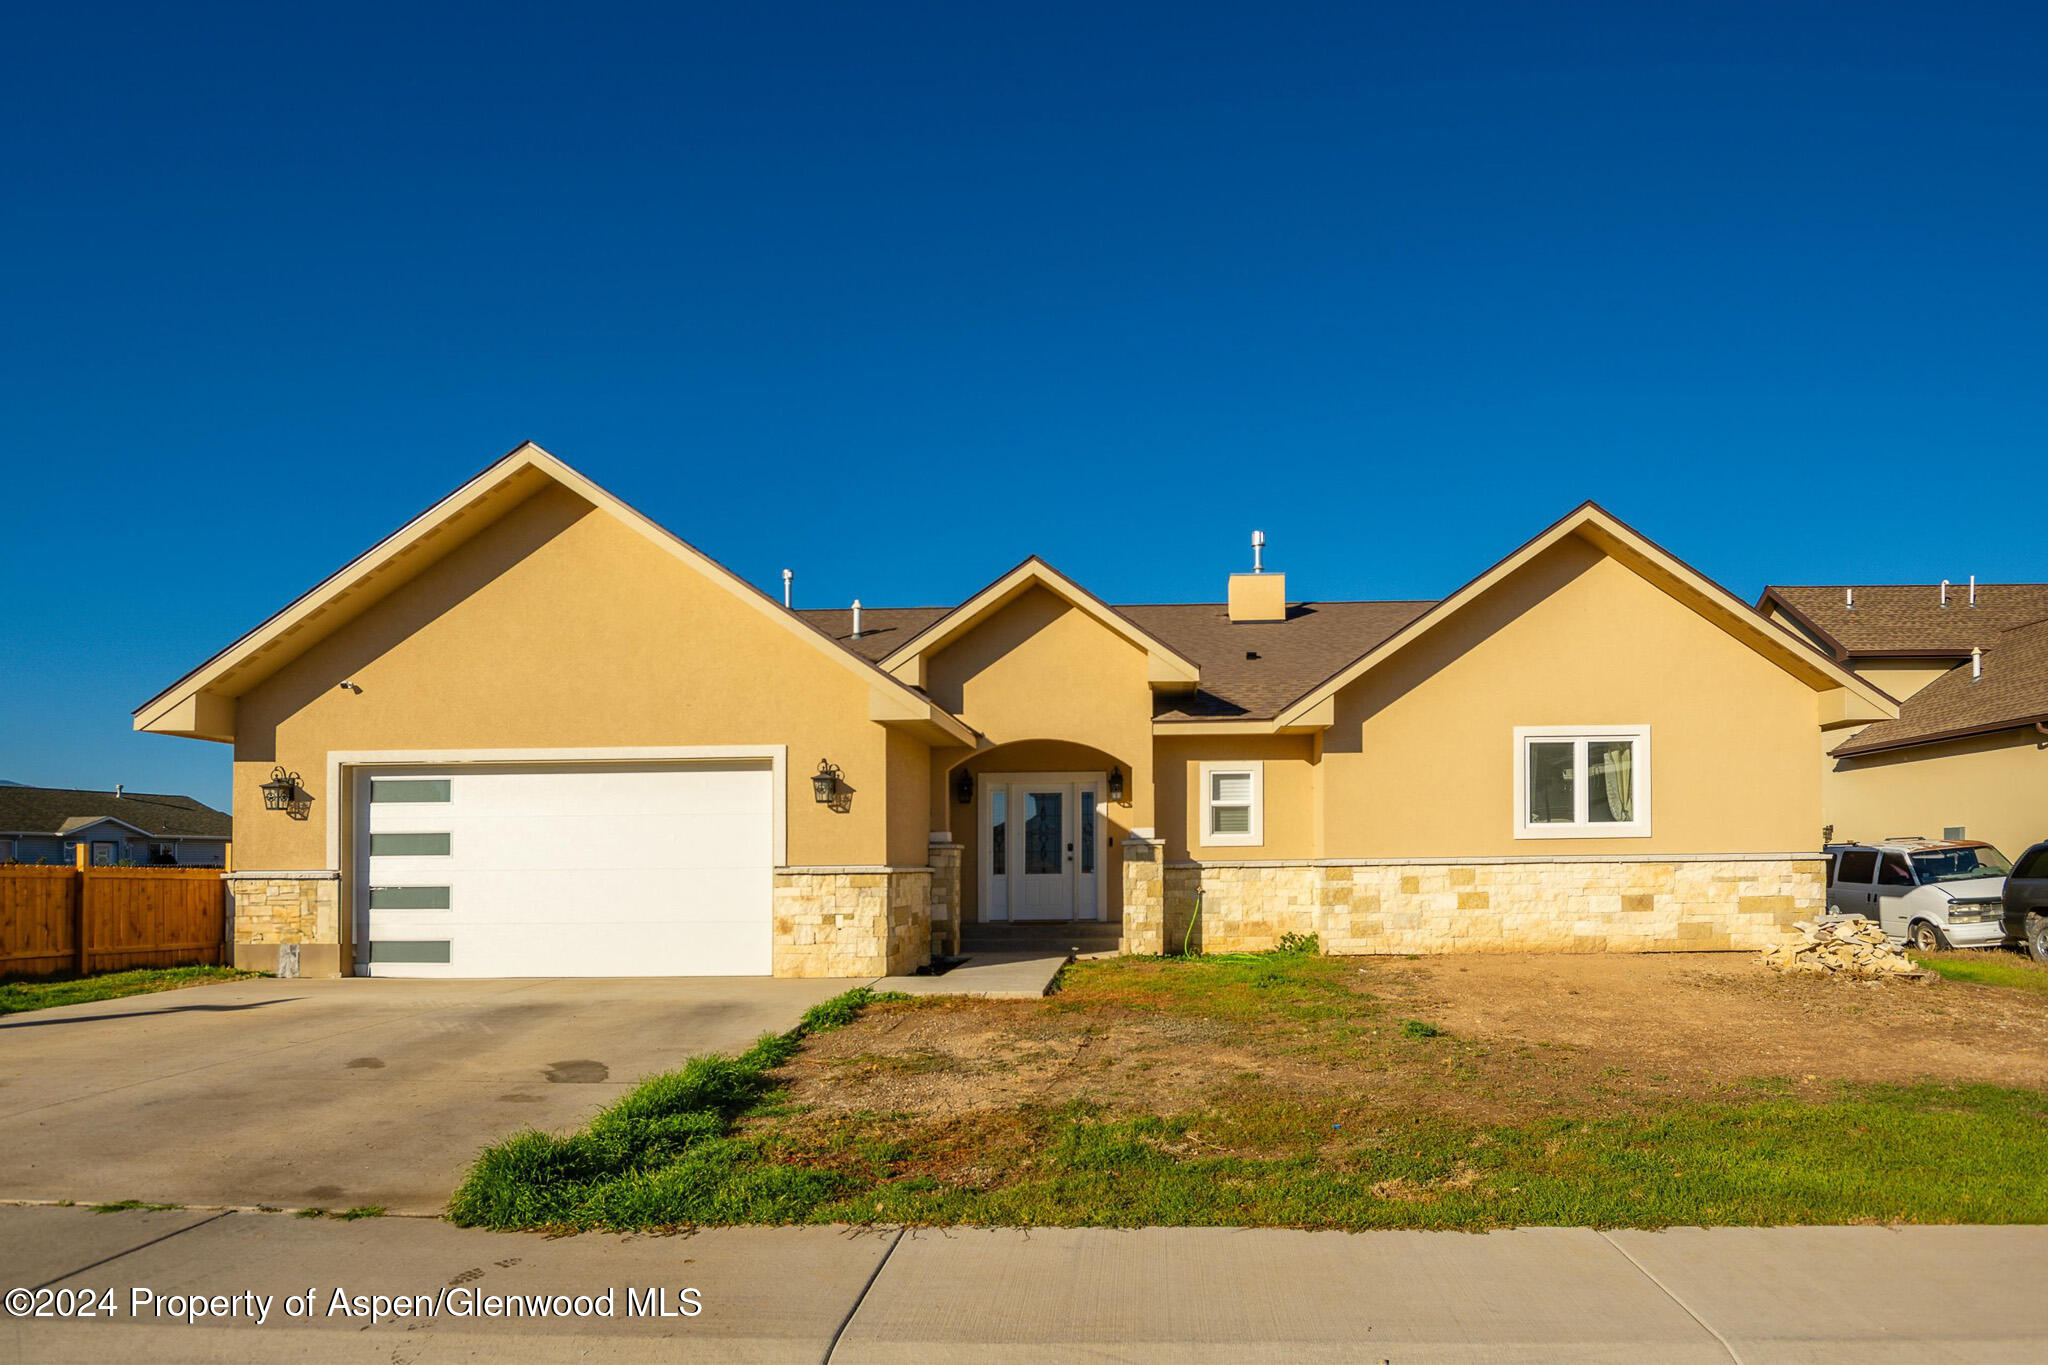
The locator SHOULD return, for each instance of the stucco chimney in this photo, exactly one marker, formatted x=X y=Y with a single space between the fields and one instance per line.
x=1258 y=595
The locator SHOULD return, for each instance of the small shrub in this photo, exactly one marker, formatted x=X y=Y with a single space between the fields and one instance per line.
x=1299 y=945
x=1420 y=1028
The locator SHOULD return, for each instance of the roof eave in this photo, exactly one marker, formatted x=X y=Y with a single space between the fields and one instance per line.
x=1854 y=750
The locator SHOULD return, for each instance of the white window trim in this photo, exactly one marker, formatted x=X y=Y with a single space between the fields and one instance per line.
x=1205 y=835
x=1638 y=828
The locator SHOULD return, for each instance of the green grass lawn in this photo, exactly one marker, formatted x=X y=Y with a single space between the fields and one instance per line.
x=1353 y=1117
x=41 y=993
x=1987 y=967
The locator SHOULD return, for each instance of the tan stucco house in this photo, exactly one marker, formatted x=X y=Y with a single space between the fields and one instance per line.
x=1967 y=755
x=532 y=732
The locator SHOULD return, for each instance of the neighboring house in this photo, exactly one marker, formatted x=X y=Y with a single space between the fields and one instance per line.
x=534 y=733
x=117 y=828
x=1967 y=755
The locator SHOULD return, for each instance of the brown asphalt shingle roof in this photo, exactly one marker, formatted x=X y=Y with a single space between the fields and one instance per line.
x=2013 y=692
x=1315 y=641
x=2009 y=623
x=1904 y=618
x=49 y=810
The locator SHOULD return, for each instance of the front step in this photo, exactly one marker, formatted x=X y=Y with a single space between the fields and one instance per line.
x=1085 y=936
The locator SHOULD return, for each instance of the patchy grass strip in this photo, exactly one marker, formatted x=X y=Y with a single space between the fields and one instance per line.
x=41 y=993
x=1987 y=967
x=662 y=1154
x=1932 y=1154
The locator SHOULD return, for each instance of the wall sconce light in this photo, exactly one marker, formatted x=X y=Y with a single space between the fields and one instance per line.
x=825 y=782
x=282 y=791
x=1116 y=784
x=963 y=787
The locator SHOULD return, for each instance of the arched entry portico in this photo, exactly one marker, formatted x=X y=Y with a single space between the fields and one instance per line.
x=1040 y=834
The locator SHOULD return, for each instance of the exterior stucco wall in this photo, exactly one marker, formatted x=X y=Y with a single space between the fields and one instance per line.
x=1994 y=787
x=1288 y=770
x=1420 y=759
x=1899 y=677
x=559 y=627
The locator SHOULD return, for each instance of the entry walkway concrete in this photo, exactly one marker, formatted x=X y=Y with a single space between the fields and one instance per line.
x=989 y=976
x=1158 y=1294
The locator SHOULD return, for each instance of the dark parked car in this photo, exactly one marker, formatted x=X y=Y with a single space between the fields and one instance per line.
x=2026 y=902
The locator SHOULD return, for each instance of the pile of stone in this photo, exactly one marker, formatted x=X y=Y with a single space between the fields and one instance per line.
x=1856 y=949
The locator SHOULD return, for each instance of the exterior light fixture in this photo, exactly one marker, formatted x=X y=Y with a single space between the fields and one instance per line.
x=825 y=782
x=1116 y=784
x=281 y=792
x=963 y=787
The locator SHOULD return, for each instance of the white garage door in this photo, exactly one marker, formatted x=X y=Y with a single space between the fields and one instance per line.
x=642 y=870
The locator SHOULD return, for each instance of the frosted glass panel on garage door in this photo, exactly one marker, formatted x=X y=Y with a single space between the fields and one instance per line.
x=643 y=870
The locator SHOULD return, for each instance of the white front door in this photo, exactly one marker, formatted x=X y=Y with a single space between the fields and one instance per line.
x=1041 y=846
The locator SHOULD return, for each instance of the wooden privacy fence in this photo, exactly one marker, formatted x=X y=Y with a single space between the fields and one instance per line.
x=102 y=919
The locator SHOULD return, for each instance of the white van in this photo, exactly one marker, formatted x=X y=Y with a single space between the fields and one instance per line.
x=1929 y=893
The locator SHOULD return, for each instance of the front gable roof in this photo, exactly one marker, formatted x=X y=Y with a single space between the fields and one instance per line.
x=1623 y=543
x=201 y=704
x=1167 y=667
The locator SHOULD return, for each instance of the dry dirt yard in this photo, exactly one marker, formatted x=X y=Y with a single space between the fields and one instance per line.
x=1531 y=1034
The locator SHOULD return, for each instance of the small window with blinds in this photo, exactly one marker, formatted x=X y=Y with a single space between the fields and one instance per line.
x=1233 y=801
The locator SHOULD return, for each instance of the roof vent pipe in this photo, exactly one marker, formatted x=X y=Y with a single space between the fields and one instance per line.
x=788 y=577
x=1944 y=592
x=1976 y=663
x=117 y=791
x=1849 y=598
x=1973 y=590
x=1258 y=552
x=856 y=618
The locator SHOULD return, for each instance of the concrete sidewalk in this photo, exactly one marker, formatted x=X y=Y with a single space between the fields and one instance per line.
x=1157 y=1294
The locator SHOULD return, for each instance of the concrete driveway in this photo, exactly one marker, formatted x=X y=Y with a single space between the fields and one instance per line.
x=333 y=1094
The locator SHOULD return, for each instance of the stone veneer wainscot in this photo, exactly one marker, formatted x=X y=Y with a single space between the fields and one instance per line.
x=852 y=921
x=288 y=923
x=1568 y=905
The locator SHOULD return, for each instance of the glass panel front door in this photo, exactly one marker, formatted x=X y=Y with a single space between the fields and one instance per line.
x=1041 y=850
x=1045 y=834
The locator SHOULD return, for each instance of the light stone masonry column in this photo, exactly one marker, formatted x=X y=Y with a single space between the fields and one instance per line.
x=945 y=858
x=1144 y=896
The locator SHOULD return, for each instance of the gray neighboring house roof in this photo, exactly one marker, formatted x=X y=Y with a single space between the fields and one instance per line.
x=57 y=811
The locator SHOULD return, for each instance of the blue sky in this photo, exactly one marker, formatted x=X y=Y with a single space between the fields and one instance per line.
x=894 y=295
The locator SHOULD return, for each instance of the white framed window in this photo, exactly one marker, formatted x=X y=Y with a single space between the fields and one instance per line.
x=1582 y=782
x=1233 y=804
